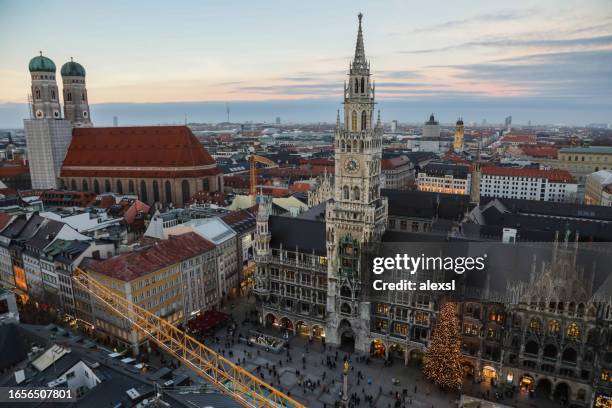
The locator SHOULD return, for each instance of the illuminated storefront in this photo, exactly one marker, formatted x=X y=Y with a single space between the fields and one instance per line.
x=527 y=382
x=489 y=372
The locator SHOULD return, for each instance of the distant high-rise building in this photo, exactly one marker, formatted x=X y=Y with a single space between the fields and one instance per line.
x=529 y=123
x=458 y=141
x=508 y=123
x=431 y=127
x=47 y=134
x=394 y=126
x=278 y=122
x=76 y=105
x=115 y=121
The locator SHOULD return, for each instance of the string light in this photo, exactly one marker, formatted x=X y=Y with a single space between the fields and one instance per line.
x=442 y=361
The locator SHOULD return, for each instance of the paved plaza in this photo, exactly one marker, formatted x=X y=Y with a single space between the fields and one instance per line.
x=318 y=385
x=311 y=379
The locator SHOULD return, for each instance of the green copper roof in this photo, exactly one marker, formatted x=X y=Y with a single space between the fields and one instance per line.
x=72 y=68
x=588 y=150
x=41 y=63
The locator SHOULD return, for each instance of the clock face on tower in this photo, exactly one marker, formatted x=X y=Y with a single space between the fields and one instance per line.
x=351 y=165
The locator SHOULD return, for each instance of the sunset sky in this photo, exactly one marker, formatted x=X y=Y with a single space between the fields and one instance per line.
x=556 y=52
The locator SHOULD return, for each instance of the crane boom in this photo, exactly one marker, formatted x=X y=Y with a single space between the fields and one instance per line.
x=226 y=376
x=254 y=159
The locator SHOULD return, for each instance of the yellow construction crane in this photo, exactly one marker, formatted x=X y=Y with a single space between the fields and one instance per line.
x=254 y=159
x=226 y=376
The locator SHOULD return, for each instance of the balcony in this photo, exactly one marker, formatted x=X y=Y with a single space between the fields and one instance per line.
x=298 y=264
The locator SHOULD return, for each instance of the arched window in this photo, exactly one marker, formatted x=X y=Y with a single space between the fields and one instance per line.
x=155 y=191
x=345 y=192
x=69 y=96
x=85 y=185
x=168 y=188
x=119 y=187
x=83 y=96
x=205 y=185
x=363 y=120
x=356 y=193
x=362 y=85
x=356 y=85
x=573 y=330
x=131 y=186
x=96 y=186
x=554 y=326
x=107 y=186
x=53 y=95
x=345 y=308
x=535 y=325
x=185 y=191
x=354 y=120
x=37 y=93
x=73 y=184
x=143 y=191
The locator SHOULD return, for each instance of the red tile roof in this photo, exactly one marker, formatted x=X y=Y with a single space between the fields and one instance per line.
x=13 y=169
x=519 y=138
x=558 y=176
x=540 y=151
x=161 y=149
x=5 y=219
x=391 y=164
x=133 y=265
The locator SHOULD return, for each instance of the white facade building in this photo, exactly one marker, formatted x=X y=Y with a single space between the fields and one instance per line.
x=528 y=184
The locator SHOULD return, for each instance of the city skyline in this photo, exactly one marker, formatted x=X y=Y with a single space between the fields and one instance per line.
x=545 y=62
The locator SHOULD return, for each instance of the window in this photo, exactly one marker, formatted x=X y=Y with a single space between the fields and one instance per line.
x=345 y=192
x=363 y=120
x=535 y=325
x=168 y=189
x=155 y=191
x=573 y=330
x=143 y=191
x=356 y=85
x=554 y=326
x=354 y=121
x=362 y=85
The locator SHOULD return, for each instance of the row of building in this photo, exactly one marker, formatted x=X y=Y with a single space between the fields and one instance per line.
x=175 y=264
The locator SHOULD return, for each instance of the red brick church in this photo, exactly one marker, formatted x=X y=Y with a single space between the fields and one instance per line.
x=158 y=163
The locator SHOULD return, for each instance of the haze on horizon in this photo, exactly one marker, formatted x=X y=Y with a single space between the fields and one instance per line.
x=548 y=61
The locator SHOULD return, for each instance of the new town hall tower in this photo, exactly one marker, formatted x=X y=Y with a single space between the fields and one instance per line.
x=310 y=278
x=357 y=214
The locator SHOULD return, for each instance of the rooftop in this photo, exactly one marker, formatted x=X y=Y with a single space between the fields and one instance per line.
x=158 y=147
x=558 y=176
x=133 y=265
x=588 y=150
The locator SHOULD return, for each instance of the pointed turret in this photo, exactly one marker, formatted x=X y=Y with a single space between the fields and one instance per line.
x=359 y=62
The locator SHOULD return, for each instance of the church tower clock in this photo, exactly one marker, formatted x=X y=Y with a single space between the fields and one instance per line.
x=357 y=214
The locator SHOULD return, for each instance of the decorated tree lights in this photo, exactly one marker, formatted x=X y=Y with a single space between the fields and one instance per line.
x=442 y=361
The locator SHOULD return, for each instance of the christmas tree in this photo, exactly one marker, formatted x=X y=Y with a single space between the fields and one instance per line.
x=442 y=362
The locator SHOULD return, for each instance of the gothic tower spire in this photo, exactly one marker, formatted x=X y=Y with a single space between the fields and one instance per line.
x=357 y=215
x=359 y=62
